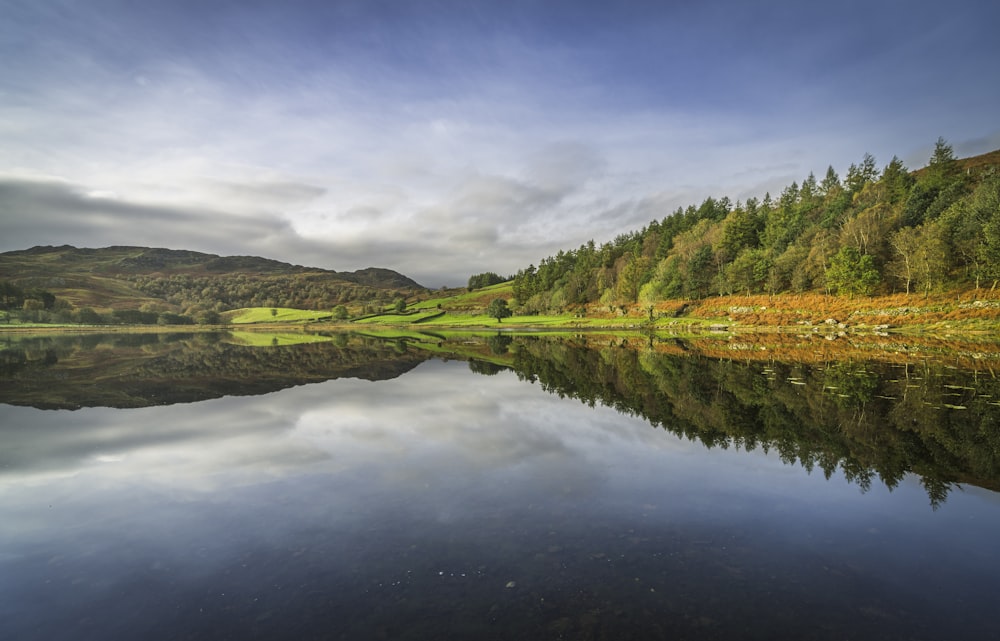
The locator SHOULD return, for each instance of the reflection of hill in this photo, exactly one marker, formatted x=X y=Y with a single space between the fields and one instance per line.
x=139 y=370
x=869 y=419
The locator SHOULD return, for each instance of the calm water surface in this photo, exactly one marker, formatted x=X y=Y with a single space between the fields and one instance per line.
x=441 y=503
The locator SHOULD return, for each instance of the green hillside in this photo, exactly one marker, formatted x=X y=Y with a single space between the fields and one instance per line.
x=65 y=280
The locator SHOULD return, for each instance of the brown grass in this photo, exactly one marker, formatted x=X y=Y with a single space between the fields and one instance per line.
x=815 y=309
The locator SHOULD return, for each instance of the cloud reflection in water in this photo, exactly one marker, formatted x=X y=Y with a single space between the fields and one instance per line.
x=308 y=504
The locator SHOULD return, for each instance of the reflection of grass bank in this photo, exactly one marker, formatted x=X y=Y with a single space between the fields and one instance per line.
x=271 y=339
x=971 y=352
x=482 y=322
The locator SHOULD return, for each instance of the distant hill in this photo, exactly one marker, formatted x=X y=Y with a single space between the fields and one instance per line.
x=124 y=277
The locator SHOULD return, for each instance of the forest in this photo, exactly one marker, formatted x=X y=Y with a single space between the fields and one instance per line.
x=874 y=231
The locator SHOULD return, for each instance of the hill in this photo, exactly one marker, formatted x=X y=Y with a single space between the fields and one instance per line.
x=186 y=282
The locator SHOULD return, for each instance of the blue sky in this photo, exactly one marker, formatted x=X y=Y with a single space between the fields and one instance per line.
x=447 y=138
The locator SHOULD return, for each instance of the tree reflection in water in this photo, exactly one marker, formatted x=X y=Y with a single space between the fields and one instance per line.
x=871 y=419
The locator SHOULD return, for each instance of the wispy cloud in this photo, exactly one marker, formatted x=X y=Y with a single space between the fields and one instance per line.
x=41 y=210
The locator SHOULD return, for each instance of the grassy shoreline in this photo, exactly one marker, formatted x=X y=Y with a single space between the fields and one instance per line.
x=964 y=313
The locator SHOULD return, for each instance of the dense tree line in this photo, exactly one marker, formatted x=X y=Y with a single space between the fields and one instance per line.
x=41 y=306
x=13 y=297
x=874 y=231
x=478 y=281
x=90 y=316
x=29 y=305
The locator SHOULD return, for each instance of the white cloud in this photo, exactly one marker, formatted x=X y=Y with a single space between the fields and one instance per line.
x=343 y=424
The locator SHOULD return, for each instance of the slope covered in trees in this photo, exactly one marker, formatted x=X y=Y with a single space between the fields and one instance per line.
x=875 y=231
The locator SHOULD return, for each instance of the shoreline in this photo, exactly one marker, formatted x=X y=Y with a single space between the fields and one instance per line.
x=592 y=325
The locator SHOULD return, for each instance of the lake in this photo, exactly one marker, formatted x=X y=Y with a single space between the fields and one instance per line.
x=344 y=486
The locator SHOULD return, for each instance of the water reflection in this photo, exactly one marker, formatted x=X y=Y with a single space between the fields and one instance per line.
x=442 y=504
x=138 y=370
x=873 y=420
x=876 y=421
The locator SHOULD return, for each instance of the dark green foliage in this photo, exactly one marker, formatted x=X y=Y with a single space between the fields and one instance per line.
x=498 y=309
x=797 y=243
x=860 y=175
x=918 y=201
x=87 y=316
x=134 y=317
x=169 y=318
x=897 y=181
x=861 y=418
x=784 y=223
x=478 y=281
x=499 y=344
x=11 y=296
x=985 y=207
x=699 y=273
x=740 y=230
x=748 y=273
x=942 y=168
x=831 y=183
x=14 y=297
x=485 y=368
x=852 y=273
x=210 y=317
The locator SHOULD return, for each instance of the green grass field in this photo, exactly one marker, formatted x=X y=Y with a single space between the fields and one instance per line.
x=462 y=310
x=475 y=298
x=399 y=319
